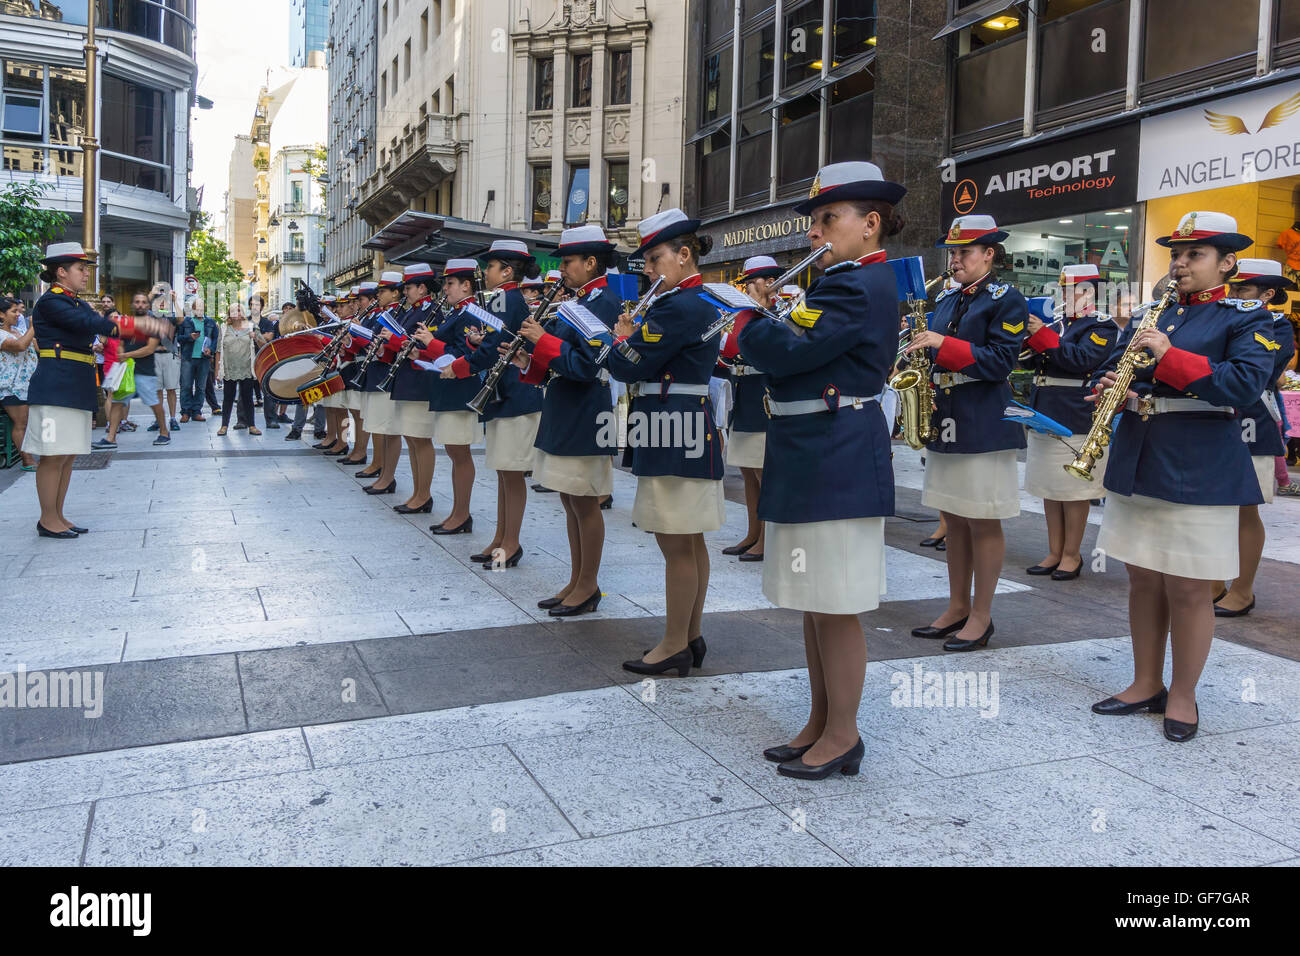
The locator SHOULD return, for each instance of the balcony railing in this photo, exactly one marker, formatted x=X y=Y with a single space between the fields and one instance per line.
x=292 y=258
x=293 y=208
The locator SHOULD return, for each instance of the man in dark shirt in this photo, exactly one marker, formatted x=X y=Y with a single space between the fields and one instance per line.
x=146 y=389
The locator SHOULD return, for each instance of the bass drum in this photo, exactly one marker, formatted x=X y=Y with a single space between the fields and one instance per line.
x=288 y=364
x=321 y=388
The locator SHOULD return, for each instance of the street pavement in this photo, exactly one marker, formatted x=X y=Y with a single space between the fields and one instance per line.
x=294 y=674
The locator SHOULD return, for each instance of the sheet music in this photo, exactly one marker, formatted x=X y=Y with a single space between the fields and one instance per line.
x=585 y=322
x=437 y=365
x=727 y=297
x=484 y=317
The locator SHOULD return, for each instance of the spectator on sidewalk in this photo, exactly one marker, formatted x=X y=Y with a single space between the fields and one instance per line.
x=198 y=339
x=235 y=368
x=142 y=351
x=268 y=329
x=168 y=359
x=17 y=363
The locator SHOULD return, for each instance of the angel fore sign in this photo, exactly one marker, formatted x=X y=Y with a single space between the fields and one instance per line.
x=1240 y=139
x=1072 y=175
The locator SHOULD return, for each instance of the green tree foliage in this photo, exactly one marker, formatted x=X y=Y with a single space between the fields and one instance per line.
x=25 y=230
x=220 y=275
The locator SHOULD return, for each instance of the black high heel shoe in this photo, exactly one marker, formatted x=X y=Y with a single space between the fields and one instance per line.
x=46 y=533
x=680 y=662
x=365 y=474
x=1114 y=707
x=336 y=453
x=490 y=564
x=846 y=763
x=931 y=631
x=482 y=556
x=785 y=753
x=547 y=603
x=1059 y=575
x=79 y=530
x=953 y=644
x=386 y=490
x=425 y=508
x=465 y=527
x=345 y=460
x=696 y=646
x=1180 y=732
x=571 y=610
x=739 y=548
x=933 y=542
x=1042 y=569
x=607 y=503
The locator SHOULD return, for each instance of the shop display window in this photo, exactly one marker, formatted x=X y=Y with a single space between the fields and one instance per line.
x=1037 y=251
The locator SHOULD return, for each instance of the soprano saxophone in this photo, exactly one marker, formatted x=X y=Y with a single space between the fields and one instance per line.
x=1113 y=399
x=913 y=385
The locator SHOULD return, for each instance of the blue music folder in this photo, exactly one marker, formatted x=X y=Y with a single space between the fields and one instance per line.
x=909 y=273
x=1042 y=306
x=1024 y=415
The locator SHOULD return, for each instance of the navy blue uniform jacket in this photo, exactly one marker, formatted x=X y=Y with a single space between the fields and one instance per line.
x=516 y=398
x=1075 y=353
x=413 y=384
x=576 y=398
x=670 y=344
x=450 y=338
x=829 y=465
x=1267 y=436
x=382 y=363
x=747 y=413
x=1220 y=355
x=66 y=324
x=985 y=324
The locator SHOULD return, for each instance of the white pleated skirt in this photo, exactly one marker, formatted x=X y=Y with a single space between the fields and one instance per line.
x=55 y=430
x=413 y=419
x=1190 y=541
x=510 y=442
x=831 y=567
x=667 y=504
x=457 y=428
x=1264 y=472
x=589 y=475
x=746 y=449
x=972 y=486
x=331 y=401
x=350 y=399
x=1045 y=474
x=379 y=413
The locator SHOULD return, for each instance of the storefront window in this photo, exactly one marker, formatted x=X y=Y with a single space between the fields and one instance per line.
x=714 y=170
x=1083 y=50
x=616 y=217
x=754 y=155
x=855 y=28
x=803 y=44
x=1184 y=35
x=850 y=118
x=136 y=135
x=797 y=143
x=717 y=85
x=541 y=206
x=758 y=59
x=990 y=85
x=1038 y=250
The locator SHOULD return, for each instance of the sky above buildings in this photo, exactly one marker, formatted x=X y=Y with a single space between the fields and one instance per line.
x=238 y=40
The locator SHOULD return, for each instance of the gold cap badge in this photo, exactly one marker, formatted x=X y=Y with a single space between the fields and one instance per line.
x=955 y=231
x=1189 y=225
x=816 y=185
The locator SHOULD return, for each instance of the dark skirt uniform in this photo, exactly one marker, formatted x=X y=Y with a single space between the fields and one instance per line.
x=667 y=365
x=1178 y=469
x=970 y=468
x=350 y=357
x=747 y=426
x=377 y=408
x=411 y=384
x=1062 y=363
x=1263 y=436
x=454 y=422
x=828 y=483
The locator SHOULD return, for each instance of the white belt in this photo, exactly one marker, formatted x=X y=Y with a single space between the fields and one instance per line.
x=745 y=370
x=1270 y=402
x=948 y=379
x=1159 y=406
x=637 y=389
x=810 y=405
x=1052 y=380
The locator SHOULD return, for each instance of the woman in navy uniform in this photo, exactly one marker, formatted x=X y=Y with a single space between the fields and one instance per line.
x=1063 y=360
x=576 y=414
x=672 y=440
x=828 y=484
x=367 y=293
x=455 y=426
x=970 y=468
x=747 y=429
x=377 y=407
x=61 y=393
x=1178 y=470
x=512 y=420
x=412 y=385
x=1262 y=280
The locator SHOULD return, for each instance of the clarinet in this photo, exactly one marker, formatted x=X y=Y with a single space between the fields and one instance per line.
x=481 y=400
x=372 y=352
x=408 y=347
x=623 y=349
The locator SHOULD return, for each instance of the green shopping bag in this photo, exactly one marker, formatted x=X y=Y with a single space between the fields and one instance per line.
x=127 y=385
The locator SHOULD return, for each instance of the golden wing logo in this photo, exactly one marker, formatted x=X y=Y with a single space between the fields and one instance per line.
x=1235 y=126
x=1267 y=343
x=805 y=316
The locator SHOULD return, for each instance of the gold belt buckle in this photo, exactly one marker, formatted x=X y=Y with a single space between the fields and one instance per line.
x=1146 y=406
x=945 y=379
x=767 y=405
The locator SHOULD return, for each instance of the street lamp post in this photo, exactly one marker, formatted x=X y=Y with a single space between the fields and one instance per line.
x=90 y=144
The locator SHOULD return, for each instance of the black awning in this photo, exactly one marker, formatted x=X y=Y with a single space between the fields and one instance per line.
x=424 y=237
x=708 y=129
x=973 y=15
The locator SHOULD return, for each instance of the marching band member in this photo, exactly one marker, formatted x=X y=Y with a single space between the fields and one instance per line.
x=828 y=484
x=61 y=393
x=377 y=409
x=410 y=389
x=333 y=444
x=1063 y=361
x=576 y=407
x=1178 y=470
x=1262 y=280
x=679 y=488
x=455 y=427
x=367 y=293
x=511 y=421
x=532 y=289
x=970 y=468
x=747 y=429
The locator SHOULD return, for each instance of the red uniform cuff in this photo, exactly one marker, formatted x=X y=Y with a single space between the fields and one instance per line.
x=954 y=354
x=433 y=350
x=1181 y=368
x=461 y=368
x=1044 y=339
x=393 y=346
x=546 y=351
x=126 y=326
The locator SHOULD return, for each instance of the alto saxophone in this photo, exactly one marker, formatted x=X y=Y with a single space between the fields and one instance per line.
x=1114 y=398
x=913 y=385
